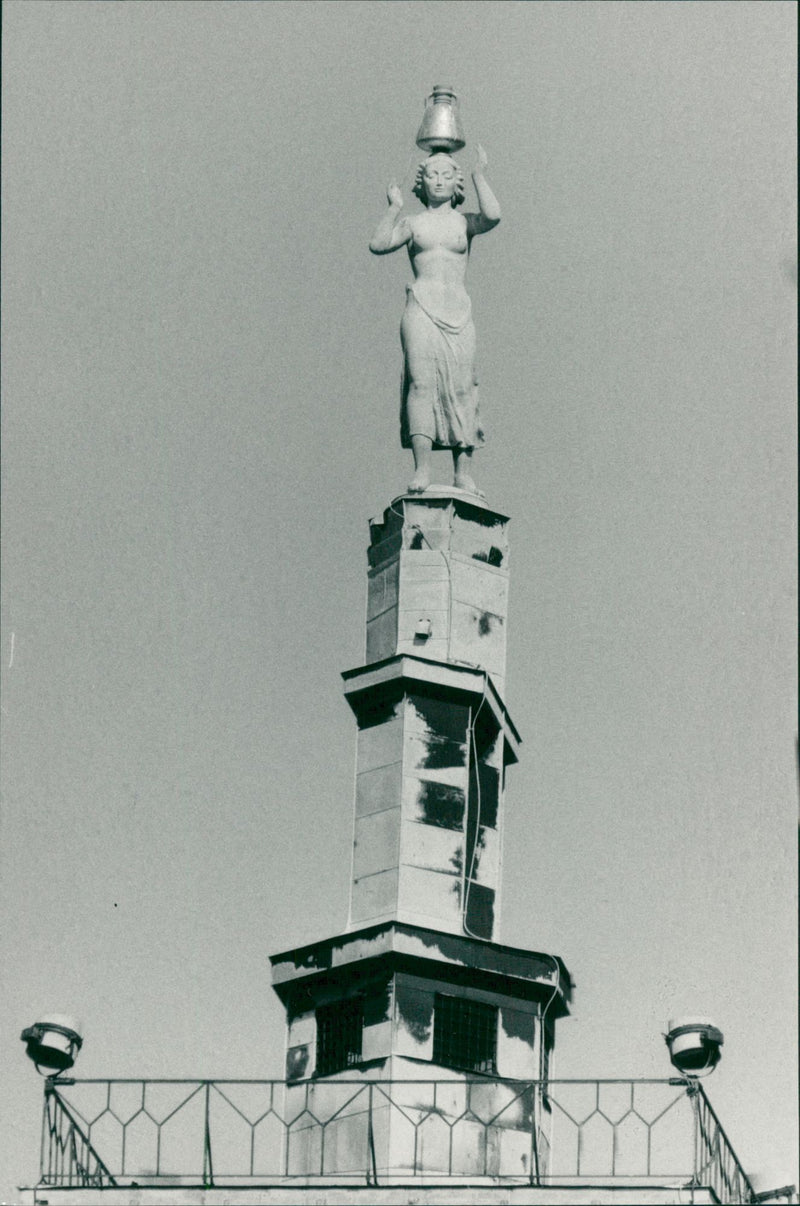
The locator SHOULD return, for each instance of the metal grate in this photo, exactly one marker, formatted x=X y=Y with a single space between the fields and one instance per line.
x=339 y=1029
x=465 y=1034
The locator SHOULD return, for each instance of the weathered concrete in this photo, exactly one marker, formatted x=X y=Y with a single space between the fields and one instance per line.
x=523 y=974
x=438 y=582
x=320 y=1194
x=434 y=735
x=416 y=1043
x=433 y=744
x=396 y=972
x=466 y=681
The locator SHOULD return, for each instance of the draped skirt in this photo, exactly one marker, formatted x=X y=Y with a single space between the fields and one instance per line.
x=439 y=397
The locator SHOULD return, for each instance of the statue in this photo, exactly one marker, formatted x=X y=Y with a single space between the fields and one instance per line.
x=439 y=406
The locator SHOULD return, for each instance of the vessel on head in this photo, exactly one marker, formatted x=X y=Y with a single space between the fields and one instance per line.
x=441 y=128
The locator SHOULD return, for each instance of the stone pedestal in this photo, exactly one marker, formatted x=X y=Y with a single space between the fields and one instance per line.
x=434 y=736
x=438 y=582
x=398 y=989
x=416 y=1033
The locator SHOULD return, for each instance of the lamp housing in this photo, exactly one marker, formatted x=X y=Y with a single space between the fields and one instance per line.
x=694 y=1045
x=53 y=1042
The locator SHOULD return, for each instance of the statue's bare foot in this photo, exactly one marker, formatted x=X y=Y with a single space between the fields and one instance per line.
x=420 y=481
x=463 y=481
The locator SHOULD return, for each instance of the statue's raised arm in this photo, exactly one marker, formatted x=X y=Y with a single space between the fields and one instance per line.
x=393 y=231
x=488 y=205
x=439 y=407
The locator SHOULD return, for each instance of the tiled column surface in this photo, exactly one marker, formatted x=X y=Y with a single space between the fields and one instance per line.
x=434 y=736
x=433 y=744
x=438 y=583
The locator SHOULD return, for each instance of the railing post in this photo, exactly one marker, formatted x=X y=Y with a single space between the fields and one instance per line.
x=45 y=1134
x=372 y=1164
x=533 y=1175
x=208 y=1163
x=691 y=1093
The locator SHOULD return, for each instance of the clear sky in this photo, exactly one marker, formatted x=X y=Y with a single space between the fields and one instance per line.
x=201 y=384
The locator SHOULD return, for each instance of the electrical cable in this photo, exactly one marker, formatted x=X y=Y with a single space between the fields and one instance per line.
x=544 y=1072
x=471 y=750
x=554 y=993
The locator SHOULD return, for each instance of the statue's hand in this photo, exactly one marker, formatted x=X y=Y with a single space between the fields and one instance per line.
x=394 y=195
x=480 y=159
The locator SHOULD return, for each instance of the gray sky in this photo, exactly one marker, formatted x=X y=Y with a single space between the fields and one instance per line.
x=201 y=384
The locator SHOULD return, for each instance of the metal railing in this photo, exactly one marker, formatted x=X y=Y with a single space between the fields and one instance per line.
x=715 y=1159
x=68 y=1157
x=106 y=1133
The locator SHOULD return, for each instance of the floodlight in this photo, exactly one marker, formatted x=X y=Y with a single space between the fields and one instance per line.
x=694 y=1045
x=53 y=1043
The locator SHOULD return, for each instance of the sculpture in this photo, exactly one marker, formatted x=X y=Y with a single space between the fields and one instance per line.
x=439 y=407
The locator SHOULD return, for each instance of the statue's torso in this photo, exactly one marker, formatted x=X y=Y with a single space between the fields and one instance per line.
x=438 y=251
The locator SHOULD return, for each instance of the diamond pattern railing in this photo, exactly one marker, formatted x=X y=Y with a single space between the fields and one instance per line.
x=105 y=1133
x=68 y=1157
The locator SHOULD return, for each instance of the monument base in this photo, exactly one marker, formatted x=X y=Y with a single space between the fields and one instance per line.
x=444 y=1027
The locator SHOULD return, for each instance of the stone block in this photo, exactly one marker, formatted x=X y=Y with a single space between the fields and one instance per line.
x=300 y=1061
x=380 y=745
x=382 y=636
x=427 y=713
x=435 y=757
x=514 y=1149
x=430 y=896
x=478 y=637
x=431 y=802
x=413 y=1021
x=471 y=1147
x=484 y=864
x=376 y=1041
x=423 y=565
x=479 y=910
x=428 y=591
x=378 y=789
x=485 y=588
x=428 y=515
x=377 y=842
x=517 y=1052
x=385 y=551
x=480 y=534
x=433 y=1145
x=382 y=589
x=302 y=1029
x=373 y=896
x=431 y=848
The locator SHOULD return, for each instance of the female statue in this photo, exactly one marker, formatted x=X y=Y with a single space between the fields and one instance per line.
x=440 y=389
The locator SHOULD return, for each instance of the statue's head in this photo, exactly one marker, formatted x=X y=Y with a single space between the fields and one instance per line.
x=439 y=176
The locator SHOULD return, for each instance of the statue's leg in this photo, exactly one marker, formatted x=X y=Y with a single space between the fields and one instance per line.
x=462 y=463
x=421 y=447
x=419 y=392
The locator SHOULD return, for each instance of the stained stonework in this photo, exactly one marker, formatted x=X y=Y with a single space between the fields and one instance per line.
x=417 y=1009
x=433 y=744
x=438 y=582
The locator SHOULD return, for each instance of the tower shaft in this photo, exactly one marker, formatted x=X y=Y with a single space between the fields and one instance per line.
x=434 y=734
